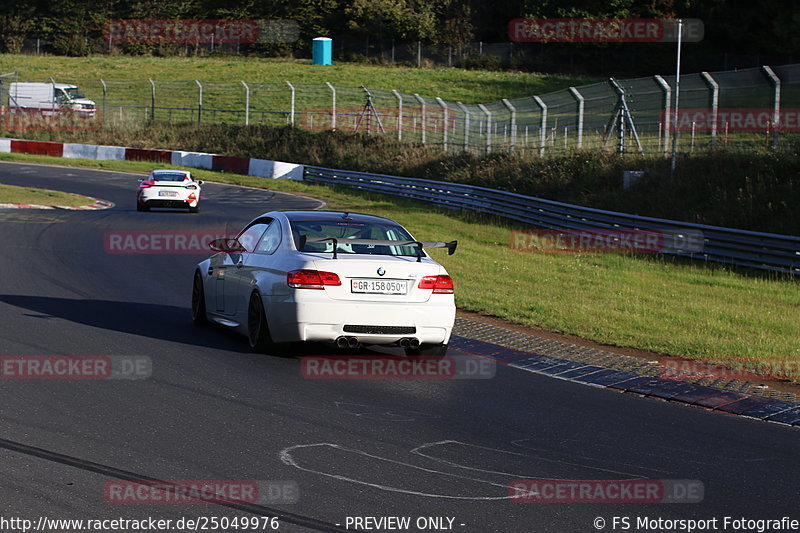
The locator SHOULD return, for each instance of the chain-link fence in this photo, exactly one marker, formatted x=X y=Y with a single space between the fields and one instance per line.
x=754 y=108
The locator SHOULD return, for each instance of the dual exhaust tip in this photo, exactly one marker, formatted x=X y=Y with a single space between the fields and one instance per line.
x=353 y=342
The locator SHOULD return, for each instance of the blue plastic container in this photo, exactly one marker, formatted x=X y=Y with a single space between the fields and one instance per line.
x=322 y=51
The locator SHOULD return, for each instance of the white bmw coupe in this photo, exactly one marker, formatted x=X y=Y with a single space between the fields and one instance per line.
x=321 y=276
x=169 y=188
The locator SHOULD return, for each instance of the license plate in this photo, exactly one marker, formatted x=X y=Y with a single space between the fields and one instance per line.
x=167 y=193
x=379 y=286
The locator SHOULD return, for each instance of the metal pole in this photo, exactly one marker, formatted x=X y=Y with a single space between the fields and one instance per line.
x=199 y=102
x=466 y=124
x=152 y=100
x=488 y=127
x=512 y=144
x=580 y=100
x=399 y=114
x=667 y=105
x=776 y=110
x=105 y=92
x=291 y=113
x=676 y=107
x=246 y=104
x=445 y=111
x=714 y=86
x=421 y=103
x=333 y=105
x=419 y=54
x=543 y=125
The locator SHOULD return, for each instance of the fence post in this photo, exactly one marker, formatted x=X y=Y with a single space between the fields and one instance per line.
x=421 y=103
x=667 y=108
x=246 y=104
x=714 y=86
x=399 y=113
x=333 y=105
x=488 y=127
x=199 y=103
x=445 y=110
x=291 y=112
x=543 y=125
x=776 y=110
x=580 y=100
x=152 y=100
x=105 y=92
x=512 y=143
x=466 y=124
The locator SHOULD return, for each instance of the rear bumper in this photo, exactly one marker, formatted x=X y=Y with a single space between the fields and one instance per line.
x=324 y=321
x=170 y=201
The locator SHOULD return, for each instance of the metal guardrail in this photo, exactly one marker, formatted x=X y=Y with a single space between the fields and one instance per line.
x=766 y=251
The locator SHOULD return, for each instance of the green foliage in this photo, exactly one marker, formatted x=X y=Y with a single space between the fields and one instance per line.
x=756 y=191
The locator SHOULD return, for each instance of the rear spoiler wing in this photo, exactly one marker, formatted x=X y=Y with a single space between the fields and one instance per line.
x=451 y=246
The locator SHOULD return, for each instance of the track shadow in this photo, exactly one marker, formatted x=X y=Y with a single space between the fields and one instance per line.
x=153 y=321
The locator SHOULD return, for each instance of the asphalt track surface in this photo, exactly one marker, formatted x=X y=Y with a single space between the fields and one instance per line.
x=214 y=411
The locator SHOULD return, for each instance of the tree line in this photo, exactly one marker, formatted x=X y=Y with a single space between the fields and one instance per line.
x=735 y=26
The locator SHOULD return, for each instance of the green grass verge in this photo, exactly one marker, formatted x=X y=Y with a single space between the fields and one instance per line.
x=11 y=194
x=468 y=86
x=671 y=306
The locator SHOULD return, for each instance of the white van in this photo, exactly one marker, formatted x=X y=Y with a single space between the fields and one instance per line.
x=49 y=99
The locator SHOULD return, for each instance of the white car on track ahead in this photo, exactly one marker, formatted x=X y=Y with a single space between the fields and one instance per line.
x=169 y=188
x=321 y=276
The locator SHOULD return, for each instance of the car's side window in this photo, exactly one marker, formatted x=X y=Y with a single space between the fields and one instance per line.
x=250 y=236
x=271 y=239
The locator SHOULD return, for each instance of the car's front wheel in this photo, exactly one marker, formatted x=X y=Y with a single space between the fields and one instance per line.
x=198 y=301
x=428 y=349
x=257 y=328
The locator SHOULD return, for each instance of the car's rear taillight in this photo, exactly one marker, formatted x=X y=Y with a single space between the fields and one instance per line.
x=441 y=284
x=311 y=279
x=148 y=183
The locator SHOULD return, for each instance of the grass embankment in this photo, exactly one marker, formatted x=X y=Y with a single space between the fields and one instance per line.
x=756 y=191
x=689 y=309
x=11 y=194
x=468 y=86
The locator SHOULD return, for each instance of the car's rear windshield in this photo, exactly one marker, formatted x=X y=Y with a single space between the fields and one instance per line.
x=169 y=176
x=343 y=230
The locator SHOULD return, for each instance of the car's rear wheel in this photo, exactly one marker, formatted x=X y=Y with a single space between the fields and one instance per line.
x=195 y=209
x=198 y=301
x=428 y=349
x=141 y=207
x=257 y=328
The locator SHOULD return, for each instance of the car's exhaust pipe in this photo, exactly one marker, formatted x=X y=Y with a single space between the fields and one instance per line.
x=342 y=342
x=413 y=343
x=347 y=342
x=403 y=343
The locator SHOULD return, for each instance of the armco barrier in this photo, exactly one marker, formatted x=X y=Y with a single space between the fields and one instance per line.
x=768 y=251
x=144 y=154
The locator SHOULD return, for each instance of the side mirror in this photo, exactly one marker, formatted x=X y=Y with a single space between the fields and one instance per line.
x=199 y=182
x=229 y=245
